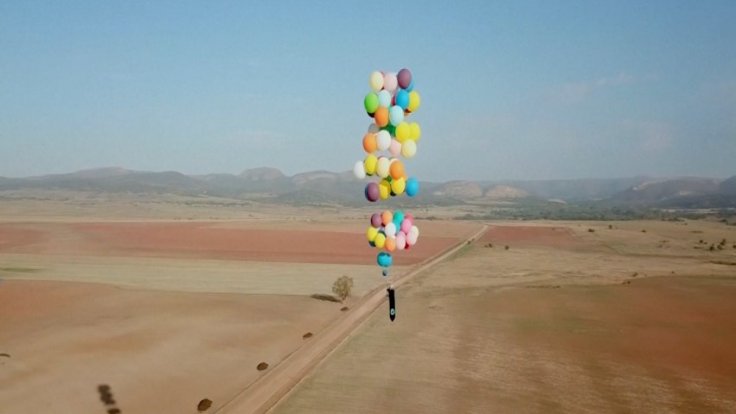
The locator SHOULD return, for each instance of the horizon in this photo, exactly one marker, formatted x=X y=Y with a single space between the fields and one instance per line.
x=525 y=91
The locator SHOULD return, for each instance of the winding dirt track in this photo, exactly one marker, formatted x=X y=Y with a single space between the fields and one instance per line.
x=276 y=384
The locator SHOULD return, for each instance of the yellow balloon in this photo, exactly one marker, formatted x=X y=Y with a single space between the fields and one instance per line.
x=402 y=132
x=409 y=149
x=414 y=101
x=382 y=167
x=376 y=81
x=414 y=131
x=380 y=240
x=398 y=185
x=384 y=189
x=370 y=163
x=371 y=233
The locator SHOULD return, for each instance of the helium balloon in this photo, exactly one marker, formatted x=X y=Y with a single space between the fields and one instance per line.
x=398 y=217
x=390 y=82
x=414 y=101
x=384 y=190
x=412 y=187
x=373 y=128
x=414 y=230
x=382 y=167
x=414 y=131
x=386 y=217
x=411 y=239
x=376 y=81
x=371 y=102
x=359 y=170
x=400 y=241
x=390 y=229
x=372 y=192
x=395 y=148
x=398 y=186
x=384 y=259
x=371 y=233
x=384 y=99
x=411 y=86
x=402 y=132
x=383 y=140
x=402 y=99
x=406 y=226
x=397 y=169
x=391 y=129
x=369 y=163
x=390 y=244
x=370 y=145
x=380 y=240
x=376 y=220
x=396 y=115
x=404 y=78
x=409 y=148
x=381 y=116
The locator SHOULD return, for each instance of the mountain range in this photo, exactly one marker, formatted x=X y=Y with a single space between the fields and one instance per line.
x=270 y=184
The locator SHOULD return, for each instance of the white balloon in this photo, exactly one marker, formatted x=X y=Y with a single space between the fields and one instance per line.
x=376 y=81
x=359 y=170
x=395 y=148
x=390 y=230
x=383 y=139
x=414 y=230
x=408 y=148
x=396 y=115
x=382 y=167
x=384 y=98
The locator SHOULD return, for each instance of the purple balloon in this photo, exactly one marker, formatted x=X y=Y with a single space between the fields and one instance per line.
x=404 y=78
x=371 y=192
x=376 y=220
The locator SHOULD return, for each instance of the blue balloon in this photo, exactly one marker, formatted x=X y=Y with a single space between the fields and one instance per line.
x=411 y=86
x=398 y=218
x=384 y=259
x=412 y=187
x=402 y=98
x=396 y=115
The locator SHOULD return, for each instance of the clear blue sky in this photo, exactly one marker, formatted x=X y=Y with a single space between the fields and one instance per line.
x=521 y=90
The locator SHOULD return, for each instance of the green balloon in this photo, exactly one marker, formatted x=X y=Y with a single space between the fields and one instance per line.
x=391 y=129
x=371 y=102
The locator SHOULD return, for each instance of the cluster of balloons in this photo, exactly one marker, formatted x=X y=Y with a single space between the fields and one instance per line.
x=390 y=138
x=391 y=100
x=391 y=231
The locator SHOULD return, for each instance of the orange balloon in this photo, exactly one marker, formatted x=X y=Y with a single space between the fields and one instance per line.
x=390 y=244
x=386 y=217
x=370 y=144
x=381 y=116
x=396 y=170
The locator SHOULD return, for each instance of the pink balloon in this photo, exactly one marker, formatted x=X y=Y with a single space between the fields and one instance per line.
x=390 y=83
x=406 y=226
x=395 y=148
x=400 y=241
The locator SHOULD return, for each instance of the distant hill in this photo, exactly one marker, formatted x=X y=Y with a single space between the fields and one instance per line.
x=326 y=187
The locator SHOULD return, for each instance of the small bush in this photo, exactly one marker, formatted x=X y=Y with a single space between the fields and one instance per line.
x=506 y=247
x=329 y=298
x=643 y=230
x=344 y=308
x=591 y=230
x=204 y=405
x=342 y=287
x=610 y=227
x=307 y=335
x=262 y=366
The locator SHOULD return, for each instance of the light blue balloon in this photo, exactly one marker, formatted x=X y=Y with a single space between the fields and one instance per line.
x=384 y=98
x=412 y=187
x=396 y=115
x=402 y=98
x=384 y=259
x=398 y=218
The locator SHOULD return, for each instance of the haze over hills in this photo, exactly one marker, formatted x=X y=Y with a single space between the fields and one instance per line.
x=271 y=184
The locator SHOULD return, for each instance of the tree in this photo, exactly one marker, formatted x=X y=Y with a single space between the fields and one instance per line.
x=342 y=287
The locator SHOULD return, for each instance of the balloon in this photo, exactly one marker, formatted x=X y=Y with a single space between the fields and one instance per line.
x=396 y=115
x=359 y=170
x=372 y=192
x=382 y=167
x=402 y=131
x=398 y=186
x=384 y=259
x=396 y=169
x=390 y=229
x=383 y=139
x=371 y=102
x=414 y=131
x=414 y=101
x=370 y=145
x=411 y=239
x=376 y=81
x=380 y=240
x=400 y=241
x=381 y=116
x=404 y=77
x=390 y=82
x=409 y=217
x=384 y=189
x=412 y=187
x=369 y=163
x=390 y=244
x=411 y=86
x=409 y=148
x=373 y=128
x=406 y=226
x=384 y=99
x=398 y=217
x=386 y=217
x=402 y=99
x=395 y=148
x=371 y=233
x=414 y=230
x=376 y=220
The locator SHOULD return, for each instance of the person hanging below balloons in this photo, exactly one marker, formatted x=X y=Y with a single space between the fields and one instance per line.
x=390 y=137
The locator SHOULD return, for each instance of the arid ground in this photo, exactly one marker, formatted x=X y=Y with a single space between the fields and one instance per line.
x=571 y=317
